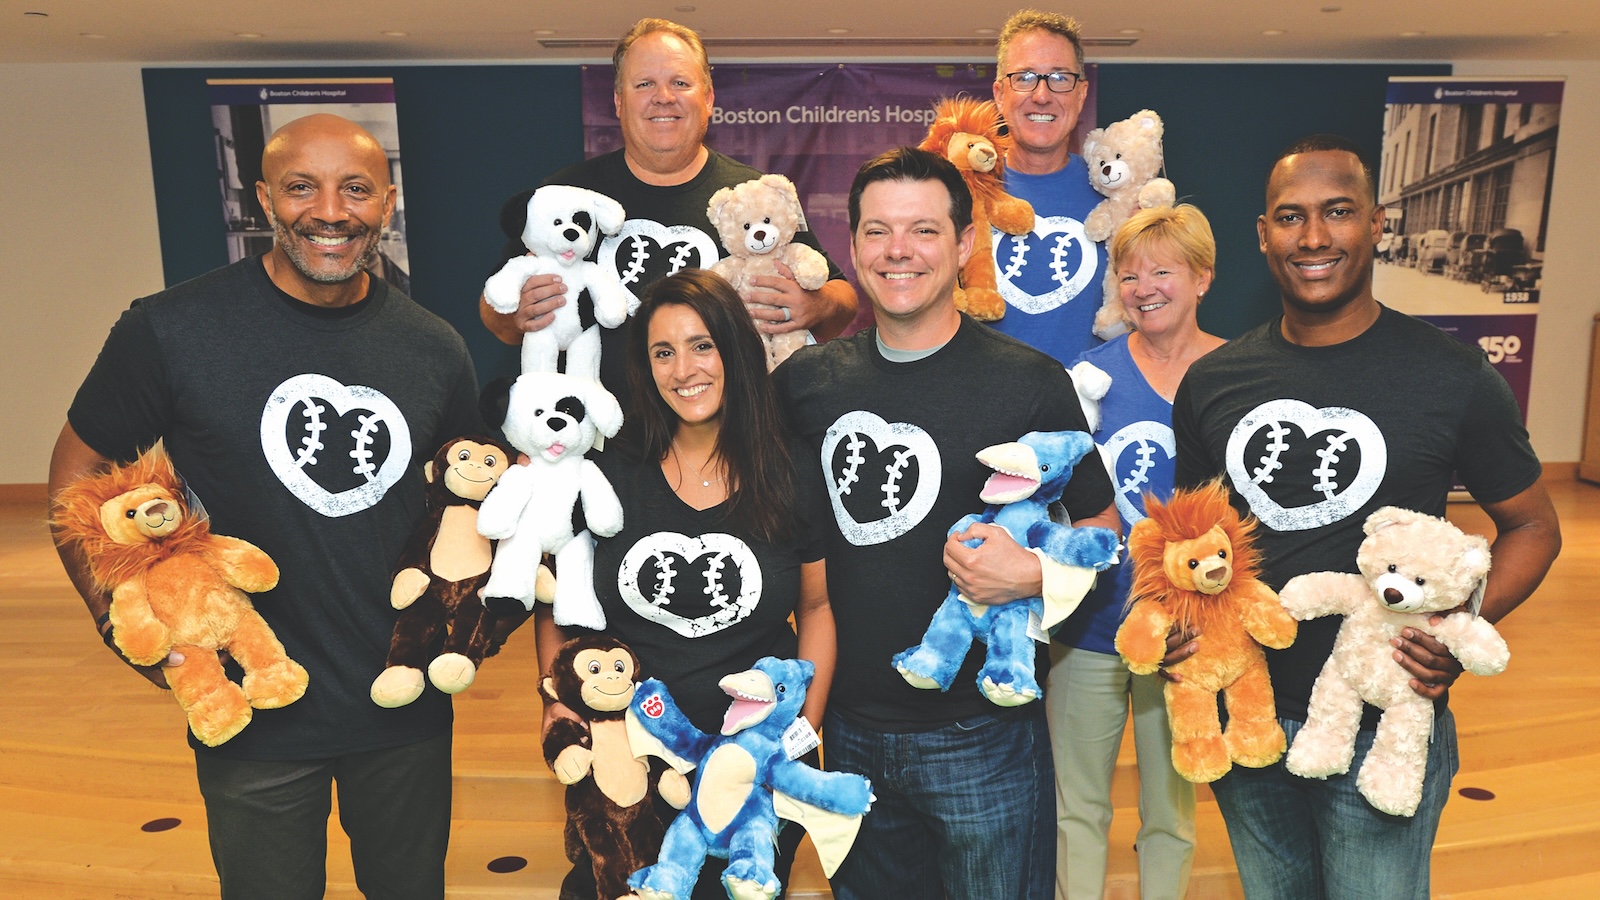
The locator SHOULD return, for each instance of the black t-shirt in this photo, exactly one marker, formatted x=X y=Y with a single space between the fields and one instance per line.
x=1312 y=440
x=303 y=433
x=694 y=596
x=896 y=444
x=666 y=230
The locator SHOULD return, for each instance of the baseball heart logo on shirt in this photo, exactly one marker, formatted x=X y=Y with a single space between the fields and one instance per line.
x=1043 y=270
x=1133 y=455
x=1300 y=467
x=693 y=585
x=882 y=477
x=353 y=438
x=645 y=250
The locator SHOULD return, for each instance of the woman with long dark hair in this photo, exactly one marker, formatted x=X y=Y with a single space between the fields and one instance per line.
x=723 y=525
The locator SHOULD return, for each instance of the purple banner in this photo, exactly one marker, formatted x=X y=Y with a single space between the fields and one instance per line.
x=251 y=92
x=1435 y=90
x=815 y=123
x=1508 y=340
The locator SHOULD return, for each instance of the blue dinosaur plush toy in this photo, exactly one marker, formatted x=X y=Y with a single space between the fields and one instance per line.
x=746 y=781
x=1030 y=474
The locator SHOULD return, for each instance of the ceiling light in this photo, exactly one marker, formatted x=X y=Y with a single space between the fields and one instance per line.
x=1554 y=33
x=247 y=34
x=1412 y=33
x=544 y=31
x=91 y=35
x=838 y=31
x=1273 y=32
x=1130 y=31
x=394 y=34
x=985 y=31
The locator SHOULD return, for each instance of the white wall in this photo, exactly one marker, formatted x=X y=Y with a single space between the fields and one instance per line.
x=78 y=241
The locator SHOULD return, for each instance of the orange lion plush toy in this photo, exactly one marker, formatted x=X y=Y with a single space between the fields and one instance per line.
x=967 y=132
x=1195 y=566
x=176 y=586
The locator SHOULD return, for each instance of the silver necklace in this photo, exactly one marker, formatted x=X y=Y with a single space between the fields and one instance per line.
x=699 y=473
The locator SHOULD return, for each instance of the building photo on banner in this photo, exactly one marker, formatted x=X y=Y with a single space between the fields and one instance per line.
x=1465 y=179
x=817 y=124
x=245 y=112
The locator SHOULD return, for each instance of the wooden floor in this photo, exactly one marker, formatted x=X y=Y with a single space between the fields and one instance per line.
x=97 y=794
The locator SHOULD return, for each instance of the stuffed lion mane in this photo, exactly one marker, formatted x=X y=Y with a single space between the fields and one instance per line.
x=1195 y=566
x=176 y=586
x=967 y=133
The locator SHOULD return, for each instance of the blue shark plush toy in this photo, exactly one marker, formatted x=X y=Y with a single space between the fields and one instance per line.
x=1030 y=474
x=746 y=781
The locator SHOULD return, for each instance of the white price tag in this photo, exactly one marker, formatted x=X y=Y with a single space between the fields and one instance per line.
x=800 y=739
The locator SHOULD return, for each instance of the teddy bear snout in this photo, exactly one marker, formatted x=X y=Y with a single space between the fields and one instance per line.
x=1113 y=172
x=760 y=239
x=1398 y=592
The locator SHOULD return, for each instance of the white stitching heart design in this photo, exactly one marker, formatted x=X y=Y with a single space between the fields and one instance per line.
x=722 y=549
x=854 y=428
x=1144 y=439
x=690 y=247
x=1346 y=425
x=308 y=393
x=1046 y=248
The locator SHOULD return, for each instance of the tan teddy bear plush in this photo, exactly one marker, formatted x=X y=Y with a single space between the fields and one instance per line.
x=176 y=586
x=1412 y=566
x=757 y=221
x=1125 y=165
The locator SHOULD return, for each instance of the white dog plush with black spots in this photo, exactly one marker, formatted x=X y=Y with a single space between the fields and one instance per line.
x=564 y=226
x=555 y=501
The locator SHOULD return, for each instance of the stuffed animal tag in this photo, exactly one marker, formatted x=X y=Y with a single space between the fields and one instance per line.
x=1036 y=628
x=800 y=739
x=1475 y=602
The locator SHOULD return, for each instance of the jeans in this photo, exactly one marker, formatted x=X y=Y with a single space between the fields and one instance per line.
x=1087 y=701
x=1302 y=839
x=966 y=811
x=268 y=821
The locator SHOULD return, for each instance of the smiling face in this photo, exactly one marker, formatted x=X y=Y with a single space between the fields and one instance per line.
x=325 y=187
x=908 y=252
x=1320 y=232
x=663 y=100
x=1160 y=291
x=1041 y=121
x=686 y=365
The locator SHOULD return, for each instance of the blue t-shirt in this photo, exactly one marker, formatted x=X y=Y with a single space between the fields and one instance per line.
x=1051 y=279
x=1135 y=439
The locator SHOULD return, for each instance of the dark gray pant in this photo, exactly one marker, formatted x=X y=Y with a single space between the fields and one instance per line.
x=268 y=821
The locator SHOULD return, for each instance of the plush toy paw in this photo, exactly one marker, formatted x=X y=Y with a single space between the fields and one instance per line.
x=745 y=880
x=1391 y=786
x=674 y=788
x=452 y=672
x=1313 y=756
x=663 y=881
x=145 y=643
x=1255 y=744
x=913 y=667
x=217 y=715
x=1007 y=694
x=275 y=685
x=983 y=304
x=396 y=686
x=409 y=584
x=544 y=585
x=572 y=764
x=1202 y=760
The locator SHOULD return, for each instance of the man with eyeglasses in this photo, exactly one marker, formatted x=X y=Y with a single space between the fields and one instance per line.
x=1050 y=279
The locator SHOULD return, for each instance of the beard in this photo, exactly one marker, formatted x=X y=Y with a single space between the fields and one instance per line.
x=294 y=246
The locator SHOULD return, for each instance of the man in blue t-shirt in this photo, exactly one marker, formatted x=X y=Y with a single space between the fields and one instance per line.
x=1050 y=279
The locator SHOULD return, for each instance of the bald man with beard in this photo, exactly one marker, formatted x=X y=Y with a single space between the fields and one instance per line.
x=298 y=396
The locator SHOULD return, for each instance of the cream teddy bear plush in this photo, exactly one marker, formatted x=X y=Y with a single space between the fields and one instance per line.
x=757 y=221
x=1125 y=165
x=1412 y=567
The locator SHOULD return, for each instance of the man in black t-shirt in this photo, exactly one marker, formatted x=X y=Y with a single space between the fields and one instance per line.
x=297 y=395
x=894 y=417
x=1317 y=419
x=664 y=176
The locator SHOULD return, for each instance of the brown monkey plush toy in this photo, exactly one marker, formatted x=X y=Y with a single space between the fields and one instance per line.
x=611 y=795
x=443 y=624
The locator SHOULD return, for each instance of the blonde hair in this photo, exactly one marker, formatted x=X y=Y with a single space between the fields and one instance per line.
x=1035 y=20
x=645 y=27
x=1182 y=228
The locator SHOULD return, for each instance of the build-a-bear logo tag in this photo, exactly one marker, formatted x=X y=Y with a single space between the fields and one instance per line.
x=337 y=448
x=692 y=585
x=1136 y=455
x=882 y=477
x=645 y=250
x=653 y=707
x=1046 y=268
x=1300 y=467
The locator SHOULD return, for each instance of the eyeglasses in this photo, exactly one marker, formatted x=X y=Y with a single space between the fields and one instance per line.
x=1059 y=82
